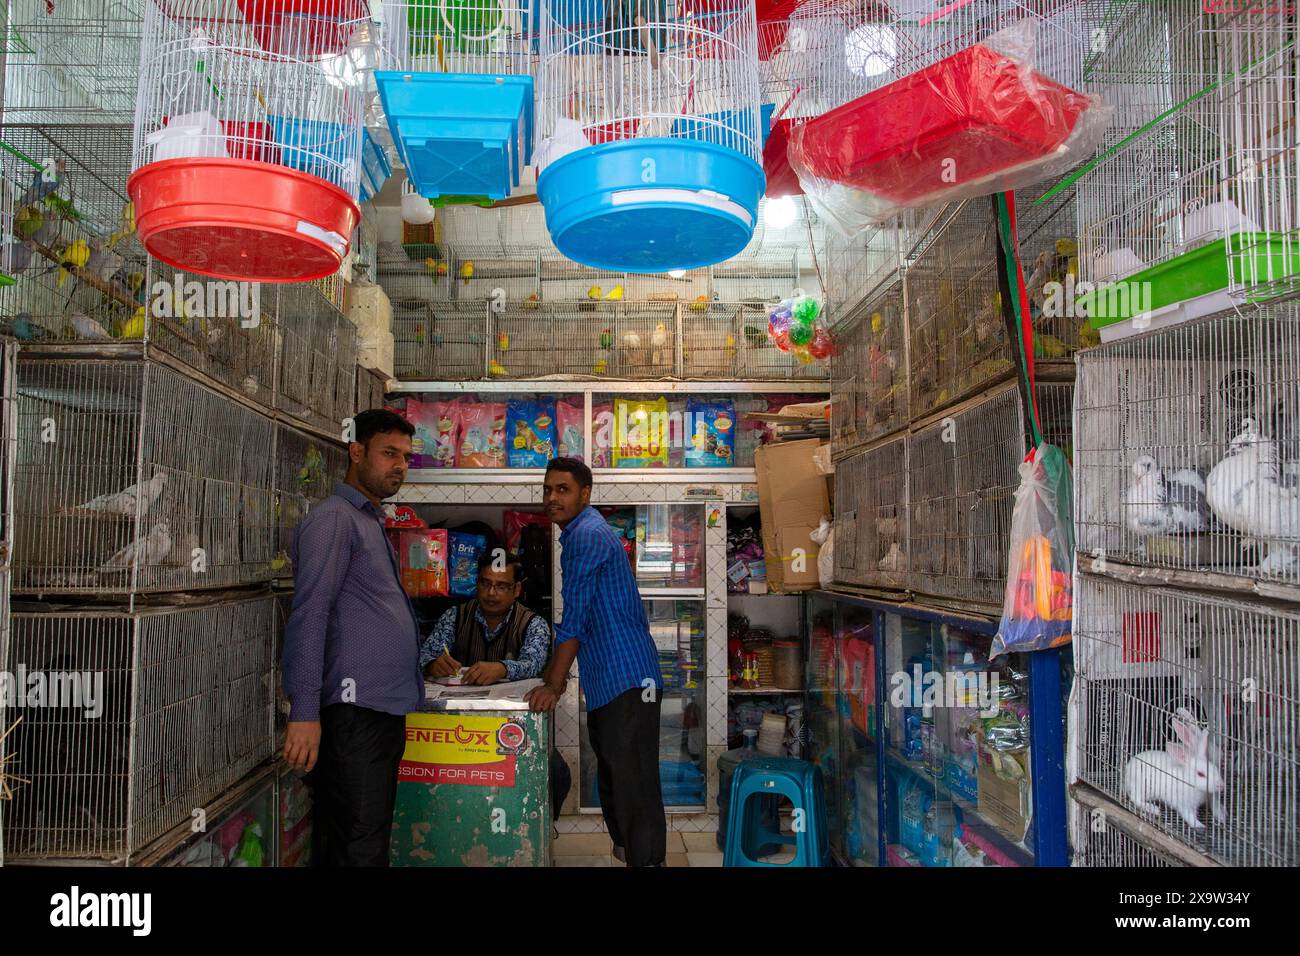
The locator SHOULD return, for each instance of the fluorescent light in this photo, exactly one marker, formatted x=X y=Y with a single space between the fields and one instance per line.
x=870 y=50
x=677 y=273
x=780 y=213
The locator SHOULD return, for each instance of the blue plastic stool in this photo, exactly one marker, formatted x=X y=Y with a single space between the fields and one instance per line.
x=798 y=781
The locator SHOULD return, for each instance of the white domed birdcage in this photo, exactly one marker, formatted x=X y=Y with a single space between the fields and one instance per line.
x=456 y=81
x=248 y=135
x=649 y=131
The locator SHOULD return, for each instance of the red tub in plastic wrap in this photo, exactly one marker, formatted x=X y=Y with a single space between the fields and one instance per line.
x=969 y=116
x=781 y=179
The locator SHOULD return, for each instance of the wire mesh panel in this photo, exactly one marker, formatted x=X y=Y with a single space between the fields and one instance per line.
x=711 y=337
x=845 y=366
x=1188 y=443
x=308 y=328
x=881 y=397
x=962 y=479
x=224 y=329
x=855 y=268
x=1048 y=233
x=1157 y=57
x=1188 y=713
x=306 y=471
x=175 y=708
x=77 y=61
x=370 y=388
x=871 y=517
x=645 y=340
x=524 y=343
x=760 y=280
x=131 y=477
x=475 y=36
x=1260 y=76
x=954 y=314
x=345 y=370
x=584 y=342
x=1105 y=839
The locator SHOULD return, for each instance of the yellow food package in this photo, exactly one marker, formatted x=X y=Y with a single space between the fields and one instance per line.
x=640 y=433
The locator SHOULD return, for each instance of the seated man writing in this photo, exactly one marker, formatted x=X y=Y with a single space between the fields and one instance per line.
x=497 y=639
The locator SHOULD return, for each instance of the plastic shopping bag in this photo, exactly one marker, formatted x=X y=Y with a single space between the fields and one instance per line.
x=1038 y=607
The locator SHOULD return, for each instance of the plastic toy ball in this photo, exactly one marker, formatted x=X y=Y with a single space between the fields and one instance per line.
x=807 y=309
x=801 y=333
x=782 y=340
x=822 y=345
x=781 y=319
x=804 y=356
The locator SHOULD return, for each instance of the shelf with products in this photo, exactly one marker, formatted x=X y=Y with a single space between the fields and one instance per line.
x=951 y=760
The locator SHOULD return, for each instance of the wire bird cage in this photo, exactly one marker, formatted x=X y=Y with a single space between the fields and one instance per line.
x=849 y=85
x=855 y=268
x=74 y=61
x=132 y=478
x=1048 y=236
x=8 y=426
x=306 y=470
x=248 y=131
x=1189 y=440
x=317 y=347
x=958 y=337
x=371 y=386
x=656 y=102
x=868 y=372
x=962 y=480
x=871 y=517
x=1104 y=835
x=1152 y=198
x=183 y=712
x=1259 y=73
x=457 y=89
x=1169 y=684
x=443 y=341
x=68 y=236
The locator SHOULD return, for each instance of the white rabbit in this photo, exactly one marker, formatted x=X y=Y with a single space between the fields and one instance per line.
x=1181 y=776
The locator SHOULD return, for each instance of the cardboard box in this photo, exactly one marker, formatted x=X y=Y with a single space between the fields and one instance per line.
x=1004 y=802
x=792 y=498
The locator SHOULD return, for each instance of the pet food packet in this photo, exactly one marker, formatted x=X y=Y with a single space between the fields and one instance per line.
x=640 y=433
x=482 y=435
x=423 y=562
x=464 y=551
x=711 y=440
x=436 y=425
x=530 y=432
x=568 y=423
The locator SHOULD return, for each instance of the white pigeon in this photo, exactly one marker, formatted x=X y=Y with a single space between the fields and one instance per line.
x=1160 y=503
x=124 y=502
x=151 y=549
x=1251 y=491
x=88 y=328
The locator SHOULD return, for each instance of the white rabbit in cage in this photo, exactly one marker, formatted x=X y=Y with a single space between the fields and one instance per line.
x=1182 y=776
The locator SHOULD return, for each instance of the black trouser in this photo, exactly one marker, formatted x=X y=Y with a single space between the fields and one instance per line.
x=624 y=736
x=354 y=785
x=561 y=780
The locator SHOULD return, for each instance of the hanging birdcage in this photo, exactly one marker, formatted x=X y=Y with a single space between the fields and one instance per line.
x=457 y=89
x=248 y=133
x=649 y=131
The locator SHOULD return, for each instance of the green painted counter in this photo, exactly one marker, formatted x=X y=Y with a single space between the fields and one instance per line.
x=474 y=787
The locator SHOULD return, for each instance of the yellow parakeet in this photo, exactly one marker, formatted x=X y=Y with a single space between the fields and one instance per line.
x=467 y=271
x=133 y=328
x=75 y=256
x=126 y=225
x=496 y=368
x=615 y=294
x=595 y=293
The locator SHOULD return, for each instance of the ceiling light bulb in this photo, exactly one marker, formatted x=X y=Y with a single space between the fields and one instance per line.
x=677 y=273
x=780 y=213
x=870 y=50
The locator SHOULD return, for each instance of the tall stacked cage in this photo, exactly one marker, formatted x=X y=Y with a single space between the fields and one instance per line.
x=1185 y=709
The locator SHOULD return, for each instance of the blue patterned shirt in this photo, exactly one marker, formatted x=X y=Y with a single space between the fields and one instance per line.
x=603 y=612
x=352 y=631
x=532 y=651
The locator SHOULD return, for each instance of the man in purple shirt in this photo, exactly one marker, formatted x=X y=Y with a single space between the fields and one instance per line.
x=352 y=651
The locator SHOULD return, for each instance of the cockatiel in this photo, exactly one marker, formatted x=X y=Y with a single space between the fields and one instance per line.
x=124 y=502
x=88 y=328
x=659 y=344
x=1156 y=503
x=151 y=549
x=1252 y=491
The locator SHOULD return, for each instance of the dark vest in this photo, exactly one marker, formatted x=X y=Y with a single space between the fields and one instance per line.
x=470 y=647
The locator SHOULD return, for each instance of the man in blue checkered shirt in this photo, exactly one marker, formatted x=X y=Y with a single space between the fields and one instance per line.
x=605 y=628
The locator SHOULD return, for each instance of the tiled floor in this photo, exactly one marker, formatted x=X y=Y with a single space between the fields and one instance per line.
x=684 y=849
x=595 y=849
